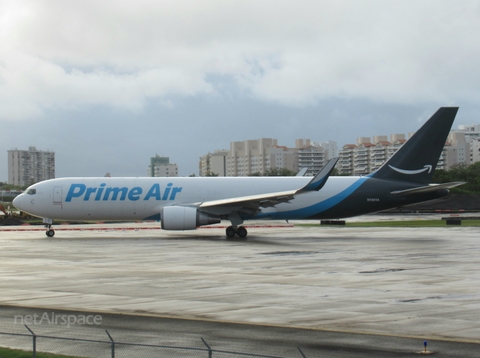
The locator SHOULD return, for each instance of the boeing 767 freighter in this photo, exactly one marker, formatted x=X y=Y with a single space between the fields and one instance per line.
x=187 y=203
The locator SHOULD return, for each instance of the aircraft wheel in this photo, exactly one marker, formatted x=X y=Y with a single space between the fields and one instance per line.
x=50 y=233
x=230 y=231
x=242 y=232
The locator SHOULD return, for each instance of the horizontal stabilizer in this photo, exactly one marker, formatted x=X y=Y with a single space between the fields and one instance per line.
x=427 y=189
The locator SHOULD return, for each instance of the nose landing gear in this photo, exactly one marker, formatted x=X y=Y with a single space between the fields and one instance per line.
x=48 y=226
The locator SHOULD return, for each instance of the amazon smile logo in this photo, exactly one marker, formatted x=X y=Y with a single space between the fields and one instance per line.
x=413 y=172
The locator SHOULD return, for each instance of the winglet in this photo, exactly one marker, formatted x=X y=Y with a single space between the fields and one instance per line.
x=320 y=179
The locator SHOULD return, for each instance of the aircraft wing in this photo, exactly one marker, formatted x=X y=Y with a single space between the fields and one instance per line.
x=253 y=202
x=427 y=189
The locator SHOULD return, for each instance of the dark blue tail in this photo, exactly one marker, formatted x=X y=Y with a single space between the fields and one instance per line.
x=417 y=159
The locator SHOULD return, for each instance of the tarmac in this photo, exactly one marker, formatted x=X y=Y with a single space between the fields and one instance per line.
x=395 y=283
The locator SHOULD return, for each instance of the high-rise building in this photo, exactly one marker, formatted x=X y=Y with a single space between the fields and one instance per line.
x=214 y=163
x=261 y=155
x=26 y=167
x=457 y=150
x=250 y=156
x=161 y=167
x=311 y=156
x=368 y=155
x=362 y=158
x=470 y=141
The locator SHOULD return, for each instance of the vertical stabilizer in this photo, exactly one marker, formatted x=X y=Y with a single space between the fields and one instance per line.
x=417 y=159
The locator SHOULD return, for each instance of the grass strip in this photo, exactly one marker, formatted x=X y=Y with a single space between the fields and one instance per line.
x=17 y=353
x=402 y=223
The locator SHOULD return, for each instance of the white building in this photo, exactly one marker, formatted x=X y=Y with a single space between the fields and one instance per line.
x=214 y=163
x=330 y=147
x=345 y=161
x=312 y=157
x=475 y=150
x=250 y=156
x=368 y=155
x=26 y=167
x=456 y=150
x=260 y=155
x=471 y=134
x=161 y=167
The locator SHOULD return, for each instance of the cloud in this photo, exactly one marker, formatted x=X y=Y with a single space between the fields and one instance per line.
x=59 y=54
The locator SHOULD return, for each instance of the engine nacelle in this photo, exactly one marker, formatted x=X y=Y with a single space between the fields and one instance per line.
x=185 y=218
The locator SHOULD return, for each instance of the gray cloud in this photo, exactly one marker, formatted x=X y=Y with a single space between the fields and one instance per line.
x=120 y=53
x=195 y=66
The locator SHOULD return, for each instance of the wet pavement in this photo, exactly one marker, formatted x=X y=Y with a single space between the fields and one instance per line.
x=408 y=283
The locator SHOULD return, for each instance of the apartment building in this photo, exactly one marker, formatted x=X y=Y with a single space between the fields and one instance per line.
x=26 y=167
x=368 y=155
x=214 y=163
x=457 y=150
x=312 y=157
x=362 y=158
x=475 y=150
x=161 y=167
x=257 y=156
x=471 y=134
x=250 y=156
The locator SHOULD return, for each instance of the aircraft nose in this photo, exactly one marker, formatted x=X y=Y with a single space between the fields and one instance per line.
x=17 y=201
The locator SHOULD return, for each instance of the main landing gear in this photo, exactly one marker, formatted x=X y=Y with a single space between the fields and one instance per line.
x=240 y=231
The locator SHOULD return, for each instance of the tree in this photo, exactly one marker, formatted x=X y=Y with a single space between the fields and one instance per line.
x=461 y=172
x=6 y=186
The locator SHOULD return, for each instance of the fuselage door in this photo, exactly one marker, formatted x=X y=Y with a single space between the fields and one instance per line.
x=57 y=195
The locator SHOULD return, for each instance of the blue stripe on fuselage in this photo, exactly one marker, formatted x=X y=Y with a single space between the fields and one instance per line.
x=313 y=209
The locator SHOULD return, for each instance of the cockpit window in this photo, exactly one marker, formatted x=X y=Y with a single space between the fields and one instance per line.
x=31 y=191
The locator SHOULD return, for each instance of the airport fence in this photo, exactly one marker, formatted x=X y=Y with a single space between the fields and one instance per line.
x=110 y=348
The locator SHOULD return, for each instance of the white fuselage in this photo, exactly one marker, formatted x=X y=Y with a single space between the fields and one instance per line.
x=143 y=198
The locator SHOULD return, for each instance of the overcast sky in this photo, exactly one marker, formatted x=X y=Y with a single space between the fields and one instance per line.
x=109 y=84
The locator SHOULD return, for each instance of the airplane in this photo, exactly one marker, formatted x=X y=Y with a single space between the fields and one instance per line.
x=187 y=203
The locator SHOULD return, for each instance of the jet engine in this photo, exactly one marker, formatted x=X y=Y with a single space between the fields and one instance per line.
x=185 y=218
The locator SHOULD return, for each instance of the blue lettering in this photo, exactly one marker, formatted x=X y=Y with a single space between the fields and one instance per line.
x=99 y=192
x=102 y=192
x=174 y=192
x=154 y=191
x=115 y=192
x=166 y=192
x=134 y=193
x=75 y=191
x=87 y=194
